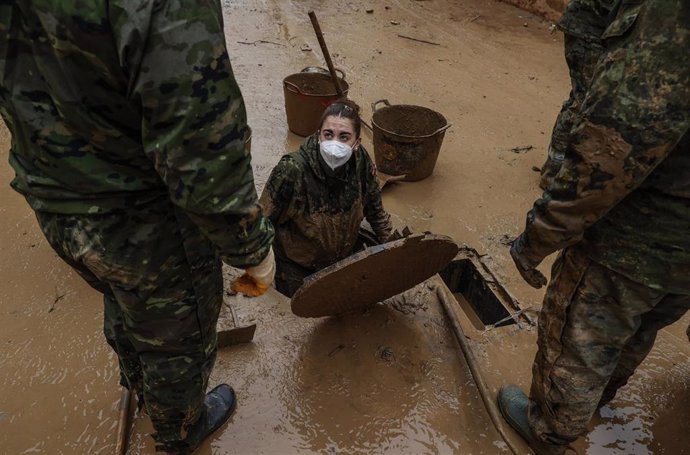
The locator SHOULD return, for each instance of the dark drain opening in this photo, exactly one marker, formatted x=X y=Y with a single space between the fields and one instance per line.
x=474 y=295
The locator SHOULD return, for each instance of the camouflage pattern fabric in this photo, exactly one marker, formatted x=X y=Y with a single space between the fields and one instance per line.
x=583 y=22
x=595 y=328
x=624 y=187
x=162 y=287
x=316 y=212
x=587 y=19
x=620 y=205
x=128 y=139
x=113 y=104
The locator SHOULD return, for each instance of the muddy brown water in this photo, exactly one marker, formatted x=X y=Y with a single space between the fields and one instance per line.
x=501 y=84
x=378 y=380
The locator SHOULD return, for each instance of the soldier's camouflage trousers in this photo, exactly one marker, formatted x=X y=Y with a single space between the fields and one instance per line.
x=162 y=287
x=595 y=327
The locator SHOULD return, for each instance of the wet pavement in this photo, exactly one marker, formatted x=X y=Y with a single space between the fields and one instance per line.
x=379 y=381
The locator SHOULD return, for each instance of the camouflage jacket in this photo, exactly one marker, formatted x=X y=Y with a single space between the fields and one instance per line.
x=113 y=104
x=623 y=191
x=587 y=19
x=317 y=214
x=583 y=23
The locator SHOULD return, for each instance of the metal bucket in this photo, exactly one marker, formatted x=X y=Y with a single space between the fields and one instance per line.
x=307 y=94
x=407 y=139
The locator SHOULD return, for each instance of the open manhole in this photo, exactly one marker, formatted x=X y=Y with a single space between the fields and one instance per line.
x=475 y=295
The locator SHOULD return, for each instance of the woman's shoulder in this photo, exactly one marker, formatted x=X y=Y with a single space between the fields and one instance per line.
x=365 y=161
x=364 y=155
x=295 y=163
x=288 y=165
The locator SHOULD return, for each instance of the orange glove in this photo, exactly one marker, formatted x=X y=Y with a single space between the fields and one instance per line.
x=249 y=286
x=256 y=280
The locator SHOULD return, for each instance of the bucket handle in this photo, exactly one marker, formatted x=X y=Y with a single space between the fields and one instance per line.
x=441 y=130
x=294 y=86
x=387 y=103
x=324 y=71
x=375 y=103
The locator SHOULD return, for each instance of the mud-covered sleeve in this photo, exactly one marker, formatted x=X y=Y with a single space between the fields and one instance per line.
x=374 y=212
x=583 y=22
x=586 y=19
x=194 y=119
x=636 y=110
x=278 y=195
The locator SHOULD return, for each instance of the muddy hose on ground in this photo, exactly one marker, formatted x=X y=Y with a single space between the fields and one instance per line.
x=484 y=392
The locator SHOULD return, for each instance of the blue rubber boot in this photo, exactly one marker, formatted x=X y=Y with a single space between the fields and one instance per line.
x=220 y=404
x=513 y=404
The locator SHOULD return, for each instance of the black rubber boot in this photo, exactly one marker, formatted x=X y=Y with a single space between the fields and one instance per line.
x=220 y=404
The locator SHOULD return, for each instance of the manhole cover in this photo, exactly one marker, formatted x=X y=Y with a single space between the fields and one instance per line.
x=373 y=275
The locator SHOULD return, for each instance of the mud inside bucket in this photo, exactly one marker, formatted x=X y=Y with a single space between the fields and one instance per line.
x=306 y=97
x=407 y=139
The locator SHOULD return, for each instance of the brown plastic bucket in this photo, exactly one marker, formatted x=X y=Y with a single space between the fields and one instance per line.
x=407 y=139
x=307 y=94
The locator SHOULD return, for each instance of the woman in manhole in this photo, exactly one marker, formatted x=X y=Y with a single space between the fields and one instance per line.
x=318 y=196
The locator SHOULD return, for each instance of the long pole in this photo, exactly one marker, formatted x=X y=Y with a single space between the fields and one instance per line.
x=484 y=393
x=326 y=54
x=123 y=418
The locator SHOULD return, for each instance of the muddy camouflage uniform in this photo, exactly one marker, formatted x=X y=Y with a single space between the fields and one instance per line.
x=317 y=213
x=128 y=140
x=620 y=206
x=583 y=23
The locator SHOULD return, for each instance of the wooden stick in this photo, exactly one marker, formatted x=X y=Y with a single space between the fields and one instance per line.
x=123 y=420
x=326 y=55
x=486 y=396
x=419 y=40
x=261 y=41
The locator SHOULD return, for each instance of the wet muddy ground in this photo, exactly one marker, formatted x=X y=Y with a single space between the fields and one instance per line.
x=379 y=381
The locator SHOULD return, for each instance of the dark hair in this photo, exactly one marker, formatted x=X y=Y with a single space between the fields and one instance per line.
x=344 y=108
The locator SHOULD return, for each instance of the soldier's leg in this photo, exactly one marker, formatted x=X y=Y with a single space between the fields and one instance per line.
x=127 y=357
x=174 y=330
x=671 y=308
x=166 y=280
x=57 y=230
x=170 y=317
x=588 y=316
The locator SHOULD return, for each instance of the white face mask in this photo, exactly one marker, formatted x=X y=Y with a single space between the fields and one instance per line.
x=335 y=153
